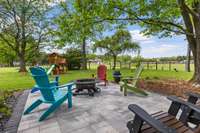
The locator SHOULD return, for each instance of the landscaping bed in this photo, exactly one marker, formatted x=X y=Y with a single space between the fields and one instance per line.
x=168 y=87
x=8 y=100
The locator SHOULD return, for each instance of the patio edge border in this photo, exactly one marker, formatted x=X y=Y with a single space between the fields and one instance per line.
x=13 y=123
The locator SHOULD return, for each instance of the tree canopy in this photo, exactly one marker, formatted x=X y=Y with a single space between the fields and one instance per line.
x=116 y=44
x=6 y=54
x=22 y=27
x=74 y=25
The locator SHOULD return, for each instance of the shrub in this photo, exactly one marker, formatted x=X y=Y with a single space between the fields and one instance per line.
x=155 y=77
x=73 y=56
x=147 y=78
x=5 y=111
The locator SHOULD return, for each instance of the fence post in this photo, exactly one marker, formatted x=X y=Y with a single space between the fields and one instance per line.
x=170 y=66
x=129 y=65
x=156 y=65
x=147 y=65
x=89 y=64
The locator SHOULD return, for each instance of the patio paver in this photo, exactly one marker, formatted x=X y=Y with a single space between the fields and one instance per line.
x=106 y=112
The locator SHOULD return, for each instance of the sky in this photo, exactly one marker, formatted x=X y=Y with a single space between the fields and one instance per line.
x=152 y=47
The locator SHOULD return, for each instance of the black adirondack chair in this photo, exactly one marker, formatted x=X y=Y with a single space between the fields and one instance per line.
x=163 y=122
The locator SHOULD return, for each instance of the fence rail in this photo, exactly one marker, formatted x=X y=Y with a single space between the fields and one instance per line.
x=167 y=65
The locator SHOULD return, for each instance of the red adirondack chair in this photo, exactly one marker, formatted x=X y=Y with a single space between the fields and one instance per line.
x=101 y=73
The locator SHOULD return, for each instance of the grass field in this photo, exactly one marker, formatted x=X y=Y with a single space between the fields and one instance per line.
x=10 y=79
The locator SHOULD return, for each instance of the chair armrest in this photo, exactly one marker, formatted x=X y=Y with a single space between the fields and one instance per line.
x=182 y=102
x=65 y=85
x=193 y=94
x=129 y=78
x=150 y=120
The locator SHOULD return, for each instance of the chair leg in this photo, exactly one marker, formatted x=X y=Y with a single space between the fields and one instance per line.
x=69 y=100
x=53 y=107
x=135 y=125
x=125 y=91
x=121 y=88
x=69 y=96
x=33 y=106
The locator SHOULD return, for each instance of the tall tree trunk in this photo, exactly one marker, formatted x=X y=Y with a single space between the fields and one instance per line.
x=193 y=27
x=197 y=57
x=194 y=51
x=84 y=59
x=23 y=42
x=196 y=21
x=22 y=65
x=11 y=64
x=188 y=59
x=114 y=62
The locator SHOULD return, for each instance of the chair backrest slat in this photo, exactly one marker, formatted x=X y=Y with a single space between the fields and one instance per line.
x=101 y=72
x=50 y=69
x=41 y=78
x=137 y=73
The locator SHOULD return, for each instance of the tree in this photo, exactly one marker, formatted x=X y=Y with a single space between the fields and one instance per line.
x=73 y=56
x=22 y=27
x=125 y=60
x=118 y=43
x=7 y=56
x=163 y=18
x=188 y=59
x=105 y=58
x=92 y=56
x=75 y=27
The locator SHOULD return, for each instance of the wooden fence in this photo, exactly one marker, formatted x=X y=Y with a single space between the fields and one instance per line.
x=158 y=65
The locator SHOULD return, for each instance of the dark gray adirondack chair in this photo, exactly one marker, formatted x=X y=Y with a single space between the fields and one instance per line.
x=163 y=122
x=195 y=99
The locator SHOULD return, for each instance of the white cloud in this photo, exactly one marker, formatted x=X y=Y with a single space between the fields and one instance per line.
x=162 y=50
x=154 y=47
x=140 y=37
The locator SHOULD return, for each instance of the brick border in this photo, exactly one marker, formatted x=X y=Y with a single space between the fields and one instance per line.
x=13 y=123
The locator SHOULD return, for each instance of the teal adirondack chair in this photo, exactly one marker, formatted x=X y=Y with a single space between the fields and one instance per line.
x=50 y=93
x=35 y=88
x=129 y=83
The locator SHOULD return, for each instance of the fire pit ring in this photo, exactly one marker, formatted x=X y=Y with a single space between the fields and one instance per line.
x=86 y=84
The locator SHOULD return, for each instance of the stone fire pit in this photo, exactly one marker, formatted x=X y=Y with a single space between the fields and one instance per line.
x=86 y=84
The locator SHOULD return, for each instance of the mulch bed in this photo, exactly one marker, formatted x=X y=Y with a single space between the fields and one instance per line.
x=168 y=87
x=16 y=103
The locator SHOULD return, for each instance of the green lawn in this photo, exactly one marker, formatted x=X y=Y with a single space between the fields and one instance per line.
x=10 y=79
